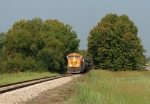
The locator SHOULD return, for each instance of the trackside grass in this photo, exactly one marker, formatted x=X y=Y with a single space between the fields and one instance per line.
x=105 y=87
x=12 y=78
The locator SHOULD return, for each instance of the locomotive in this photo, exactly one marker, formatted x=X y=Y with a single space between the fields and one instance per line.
x=77 y=63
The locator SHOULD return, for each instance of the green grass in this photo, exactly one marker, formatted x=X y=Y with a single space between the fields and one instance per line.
x=12 y=78
x=105 y=87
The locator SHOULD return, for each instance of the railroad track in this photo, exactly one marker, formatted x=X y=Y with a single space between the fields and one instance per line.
x=18 y=85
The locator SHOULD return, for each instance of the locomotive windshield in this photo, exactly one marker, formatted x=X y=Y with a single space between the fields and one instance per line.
x=77 y=56
x=70 y=57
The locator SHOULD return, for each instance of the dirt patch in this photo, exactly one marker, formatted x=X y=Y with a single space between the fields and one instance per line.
x=57 y=95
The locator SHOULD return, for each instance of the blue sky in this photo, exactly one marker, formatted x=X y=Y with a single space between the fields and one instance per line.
x=82 y=15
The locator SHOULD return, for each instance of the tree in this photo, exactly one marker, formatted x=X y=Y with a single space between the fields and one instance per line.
x=19 y=25
x=34 y=26
x=36 y=46
x=113 y=44
x=64 y=34
x=2 y=36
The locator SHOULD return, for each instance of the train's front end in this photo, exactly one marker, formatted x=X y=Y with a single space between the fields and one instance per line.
x=74 y=63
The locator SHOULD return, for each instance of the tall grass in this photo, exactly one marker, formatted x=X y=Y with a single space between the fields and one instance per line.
x=105 y=87
x=17 y=77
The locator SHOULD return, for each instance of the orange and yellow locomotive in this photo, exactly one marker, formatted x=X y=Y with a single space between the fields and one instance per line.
x=77 y=64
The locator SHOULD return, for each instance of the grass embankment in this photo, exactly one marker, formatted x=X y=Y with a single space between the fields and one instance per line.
x=17 y=77
x=105 y=87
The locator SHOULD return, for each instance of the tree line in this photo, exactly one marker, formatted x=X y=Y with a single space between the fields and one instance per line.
x=34 y=45
x=113 y=44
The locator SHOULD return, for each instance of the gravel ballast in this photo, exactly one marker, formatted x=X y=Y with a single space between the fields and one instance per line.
x=24 y=94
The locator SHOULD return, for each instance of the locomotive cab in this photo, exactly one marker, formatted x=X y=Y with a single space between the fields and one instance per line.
x=75 y=63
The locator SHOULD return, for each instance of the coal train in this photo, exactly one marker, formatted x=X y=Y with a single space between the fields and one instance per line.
x=77 y=63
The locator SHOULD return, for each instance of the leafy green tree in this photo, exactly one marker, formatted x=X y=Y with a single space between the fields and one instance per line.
x=16 y=49
x=34 y=26
x=19 y=25
x=113 y=44
x=36 y=46
x=2 y=36
x=84 y=54
x=64 y=34
x=51 y=56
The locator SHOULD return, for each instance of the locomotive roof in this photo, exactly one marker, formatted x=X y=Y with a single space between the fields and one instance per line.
x=74 y=54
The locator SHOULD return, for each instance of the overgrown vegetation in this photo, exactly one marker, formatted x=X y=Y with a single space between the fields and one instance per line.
x=34 y=45
x=113 y=44
x=106 y=87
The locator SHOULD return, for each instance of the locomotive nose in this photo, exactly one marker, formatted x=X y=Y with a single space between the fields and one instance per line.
x=74 y=59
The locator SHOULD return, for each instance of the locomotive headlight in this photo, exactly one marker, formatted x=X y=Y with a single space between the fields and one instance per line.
x=73 y=59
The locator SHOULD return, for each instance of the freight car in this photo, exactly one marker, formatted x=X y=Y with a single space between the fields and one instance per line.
x=77 y=63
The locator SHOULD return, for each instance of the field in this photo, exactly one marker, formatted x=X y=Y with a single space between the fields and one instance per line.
x=105 y=87
x=12 y=78
x=96 y=87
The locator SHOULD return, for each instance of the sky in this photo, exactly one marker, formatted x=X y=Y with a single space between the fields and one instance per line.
x=82 y=15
